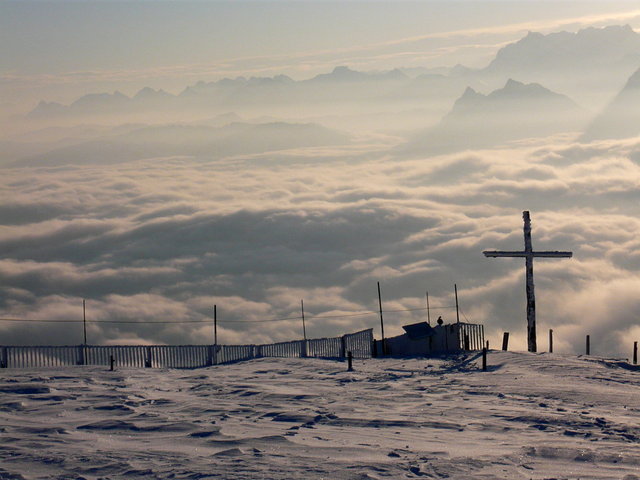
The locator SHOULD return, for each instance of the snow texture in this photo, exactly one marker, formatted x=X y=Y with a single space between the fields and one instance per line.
x=530 y=416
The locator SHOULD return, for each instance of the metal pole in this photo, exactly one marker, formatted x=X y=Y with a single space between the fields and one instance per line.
x=84 y=320
x=588 y=345
x=457 y=309
x=428 y=310
x=550 y=341
x=304 y=330
x=635 y=353
x=215 y=325
x=384 y=349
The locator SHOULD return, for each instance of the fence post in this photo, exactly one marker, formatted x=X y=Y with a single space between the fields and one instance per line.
x=80 y=355
x=550 y=340
x=635 y=353
x=303 y=349
x=505 y=341
x=350 y=361
x=147 y=362
x=111 y=362
x=466 y=341
x=484 y=359
x=588 y=349
x=487 y=345
x=5 y=358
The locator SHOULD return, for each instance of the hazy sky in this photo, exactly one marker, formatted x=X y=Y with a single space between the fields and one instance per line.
x=56 y=50
x=255 y=196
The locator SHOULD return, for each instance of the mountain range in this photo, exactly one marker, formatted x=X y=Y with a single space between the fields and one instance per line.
x=591 y=64
x=513 y=112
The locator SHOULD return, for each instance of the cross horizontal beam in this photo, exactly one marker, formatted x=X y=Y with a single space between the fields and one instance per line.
x=524 y=254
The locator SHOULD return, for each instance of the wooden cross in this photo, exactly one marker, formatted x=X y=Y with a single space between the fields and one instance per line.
x=528 y=254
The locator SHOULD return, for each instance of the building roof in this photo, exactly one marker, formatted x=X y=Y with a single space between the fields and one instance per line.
x=419 y=330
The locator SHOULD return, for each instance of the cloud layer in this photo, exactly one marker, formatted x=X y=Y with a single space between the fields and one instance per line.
x=166 y=239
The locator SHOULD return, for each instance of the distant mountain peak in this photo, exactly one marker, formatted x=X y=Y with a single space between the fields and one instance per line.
x=620 y=118
x=563 y=50
x=512 y=86
x=470 y=93
x=342 y=70
x=522 y=90
x=634 y=81
x=150 y=93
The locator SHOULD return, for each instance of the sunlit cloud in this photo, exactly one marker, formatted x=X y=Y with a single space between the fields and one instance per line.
x=330 y=233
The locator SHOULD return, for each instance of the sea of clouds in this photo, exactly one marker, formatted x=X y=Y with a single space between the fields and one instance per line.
x=165 y=239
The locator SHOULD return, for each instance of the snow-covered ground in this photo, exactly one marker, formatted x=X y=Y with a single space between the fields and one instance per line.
x=531 y=416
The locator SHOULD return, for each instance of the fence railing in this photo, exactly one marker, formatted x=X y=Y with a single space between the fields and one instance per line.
x=470 y=336
x=444 y=339
x=182 y=356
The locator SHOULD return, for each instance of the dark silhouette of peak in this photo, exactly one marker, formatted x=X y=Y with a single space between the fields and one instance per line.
x=340 y=74
x=470 y=96
x=470 y=93
x=459 y=70
x=513 y=88
x=621 y=118
x=513 y=85
x=95 y=99
x=564 y=50
x=343 y=74
x=148 y=93
x=268 y=81
x=513 y=95
x=532 y=37
x=46 y=109
x=634 y=81
x=231 y=82
x=396 y=74
x=513 y=112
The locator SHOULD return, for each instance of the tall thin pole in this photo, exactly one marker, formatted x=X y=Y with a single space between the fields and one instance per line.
x=304 y=330
x=428 y=310
x=215 y=325
x=381 y=319
x=84 y=320
x=531 y=298
x=457 y=309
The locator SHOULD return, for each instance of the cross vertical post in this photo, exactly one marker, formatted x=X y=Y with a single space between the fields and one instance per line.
x=528 y=253
x=384 y=348
x=531 y=297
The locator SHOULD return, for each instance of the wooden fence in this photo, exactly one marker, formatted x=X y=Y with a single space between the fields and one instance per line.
x=183 y=356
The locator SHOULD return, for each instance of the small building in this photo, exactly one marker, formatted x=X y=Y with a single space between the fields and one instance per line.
x=423 y=339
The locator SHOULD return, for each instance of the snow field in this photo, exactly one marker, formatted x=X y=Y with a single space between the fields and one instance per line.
x=531 y=416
